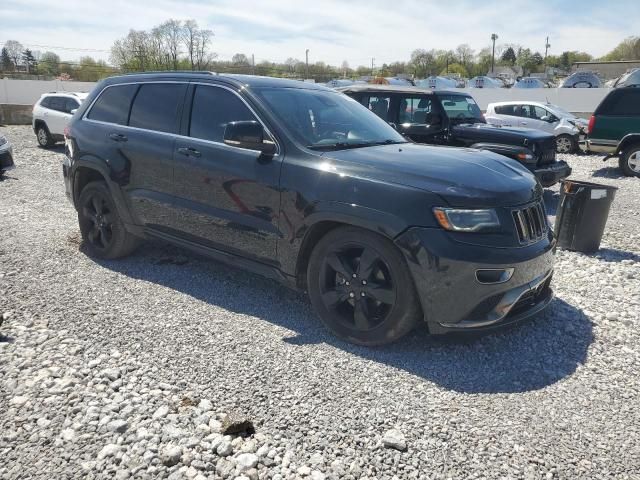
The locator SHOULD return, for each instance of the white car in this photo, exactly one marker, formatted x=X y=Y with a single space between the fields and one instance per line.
x=567 y=128
x=51 y=113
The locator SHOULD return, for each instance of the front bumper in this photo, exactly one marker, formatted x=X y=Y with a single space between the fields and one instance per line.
x=551 y=174
x=452 y=297
x=6 y=157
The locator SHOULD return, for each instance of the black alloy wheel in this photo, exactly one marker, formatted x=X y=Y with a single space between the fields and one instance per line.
x=100 y=224
x=361 y=287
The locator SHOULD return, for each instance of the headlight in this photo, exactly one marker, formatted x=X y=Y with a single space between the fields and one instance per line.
x=458 y=220
x=2 y=140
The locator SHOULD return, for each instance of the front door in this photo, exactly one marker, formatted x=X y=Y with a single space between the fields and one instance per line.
x=229 y=196
x=420 y=120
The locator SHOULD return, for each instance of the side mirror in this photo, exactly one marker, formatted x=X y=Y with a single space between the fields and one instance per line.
x=249 y=135
x=73 y=111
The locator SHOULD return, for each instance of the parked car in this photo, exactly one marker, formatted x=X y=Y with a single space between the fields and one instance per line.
x=530 y=82
x=614 y=129
x=302 y=184
x=437 y=83
x=568 y=129
x=51 y=113
x=454 y=118
x=582 y=79
x=630 y=78
x=485 y=82
x=340 y=82
x=6 y=155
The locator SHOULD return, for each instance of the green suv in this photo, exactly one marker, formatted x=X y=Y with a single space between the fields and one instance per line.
x=614 y=129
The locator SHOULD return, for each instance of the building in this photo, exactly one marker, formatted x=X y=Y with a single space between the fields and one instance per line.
x=607 y=70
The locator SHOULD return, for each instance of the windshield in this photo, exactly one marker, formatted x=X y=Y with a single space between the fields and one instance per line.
x=561 y=112
x=322 y=119
x=461 y=107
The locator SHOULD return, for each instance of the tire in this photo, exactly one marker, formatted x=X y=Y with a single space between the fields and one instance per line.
x=566 y=144
x=101 y=227
x=45 y=140
x=630 y=161
x=370 y=303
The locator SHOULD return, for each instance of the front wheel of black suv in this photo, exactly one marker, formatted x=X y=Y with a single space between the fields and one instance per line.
x=630 y=161
x=101 y=227
x=361 y=287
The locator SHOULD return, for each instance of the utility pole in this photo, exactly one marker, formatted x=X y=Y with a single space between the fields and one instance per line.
x=546 y=50
x=307 y=64
x=494 y=37
x=372 y=60
x=253 y=64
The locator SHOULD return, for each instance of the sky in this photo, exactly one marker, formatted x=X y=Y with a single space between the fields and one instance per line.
x=332 y=30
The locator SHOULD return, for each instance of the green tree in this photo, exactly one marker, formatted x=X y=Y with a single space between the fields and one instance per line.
x=509 y=56
x=456 y=68
x=628 y=49
x=423 y=62
x=6 y=64
x=49 y=64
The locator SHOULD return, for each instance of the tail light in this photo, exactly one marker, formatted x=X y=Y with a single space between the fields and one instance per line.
x=592 y=124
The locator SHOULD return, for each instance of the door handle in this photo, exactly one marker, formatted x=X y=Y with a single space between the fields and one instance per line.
x=118 y=137
x=189 y=152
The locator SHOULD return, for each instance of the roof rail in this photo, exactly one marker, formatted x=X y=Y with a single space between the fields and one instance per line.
x=169 y=72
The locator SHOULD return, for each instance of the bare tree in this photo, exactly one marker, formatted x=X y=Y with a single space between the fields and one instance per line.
x=190 y=34
x=14 y=49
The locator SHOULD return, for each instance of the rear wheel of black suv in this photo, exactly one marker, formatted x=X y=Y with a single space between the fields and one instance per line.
x=45 y=140
x=630 y=161
x=361 y=287
x=102 y=229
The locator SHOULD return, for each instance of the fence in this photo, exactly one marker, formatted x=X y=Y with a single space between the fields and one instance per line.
x=581 y=101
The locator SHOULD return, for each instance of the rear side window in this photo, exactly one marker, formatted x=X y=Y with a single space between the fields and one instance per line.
x=46 y=102
x=506 y=110
x=113 y=104
x=212 y=109
x=621 y=103
x=156 y=107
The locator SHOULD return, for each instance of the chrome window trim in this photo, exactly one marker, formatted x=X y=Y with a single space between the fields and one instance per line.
x=85 y=116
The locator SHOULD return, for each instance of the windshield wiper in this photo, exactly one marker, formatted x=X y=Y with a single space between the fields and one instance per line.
x=348 y=145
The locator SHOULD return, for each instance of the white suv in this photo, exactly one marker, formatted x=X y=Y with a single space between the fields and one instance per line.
x=52 y=113
x=568 y=129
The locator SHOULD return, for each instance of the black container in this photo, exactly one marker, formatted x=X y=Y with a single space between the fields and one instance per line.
x=582 y=215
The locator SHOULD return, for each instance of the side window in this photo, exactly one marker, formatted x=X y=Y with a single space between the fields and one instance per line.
x=212 y=109
x=506 y=110
x=521 y=110
x=46 y=102
x=625 y=103
x=57 y=103
x=113 y=104
x=539 y=112
x=70 y=104
x=379 y=106
x=416 y=110
x=156 y=107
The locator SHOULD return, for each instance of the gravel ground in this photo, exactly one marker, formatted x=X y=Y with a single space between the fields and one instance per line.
x=135 y=368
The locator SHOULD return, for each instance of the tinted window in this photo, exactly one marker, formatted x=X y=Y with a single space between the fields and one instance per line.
x=70 y=104
x=460 y=107
x=156 y=107
x=212 y=109
x=379 y=106
x=57 y=103
x=505 y=110
x=415 y=110
x=622 y=103
x=113 y=104
x=46 y=102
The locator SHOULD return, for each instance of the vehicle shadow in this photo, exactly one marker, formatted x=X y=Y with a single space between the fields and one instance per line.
x=615 y=255
x=608 y=172
x=527 y=357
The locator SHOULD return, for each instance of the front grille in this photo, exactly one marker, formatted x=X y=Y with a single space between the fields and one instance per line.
x=546 y=151
x=531 y=223
x=548 y=156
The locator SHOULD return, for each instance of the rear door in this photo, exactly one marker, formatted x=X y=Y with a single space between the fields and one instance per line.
x=56 y=116
x=617 y=116
x=229 y=196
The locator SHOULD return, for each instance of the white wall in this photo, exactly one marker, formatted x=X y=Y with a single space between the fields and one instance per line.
x=576 y=100
x=27 y=92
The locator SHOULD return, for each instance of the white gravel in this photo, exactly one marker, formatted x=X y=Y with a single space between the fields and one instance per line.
x=127 y=369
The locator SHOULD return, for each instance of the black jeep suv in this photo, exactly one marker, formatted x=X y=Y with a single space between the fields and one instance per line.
x=304 y=185
x=454 y=118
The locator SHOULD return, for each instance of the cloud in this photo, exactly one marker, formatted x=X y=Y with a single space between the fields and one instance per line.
x=333 y=30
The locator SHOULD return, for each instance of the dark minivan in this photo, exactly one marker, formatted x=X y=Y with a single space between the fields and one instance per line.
x=304 y=185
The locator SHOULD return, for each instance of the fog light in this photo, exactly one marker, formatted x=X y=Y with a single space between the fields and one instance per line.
x=489 y=276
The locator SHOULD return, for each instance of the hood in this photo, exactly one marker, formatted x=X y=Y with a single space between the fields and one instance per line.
x=483 y=132
x=463 y=177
